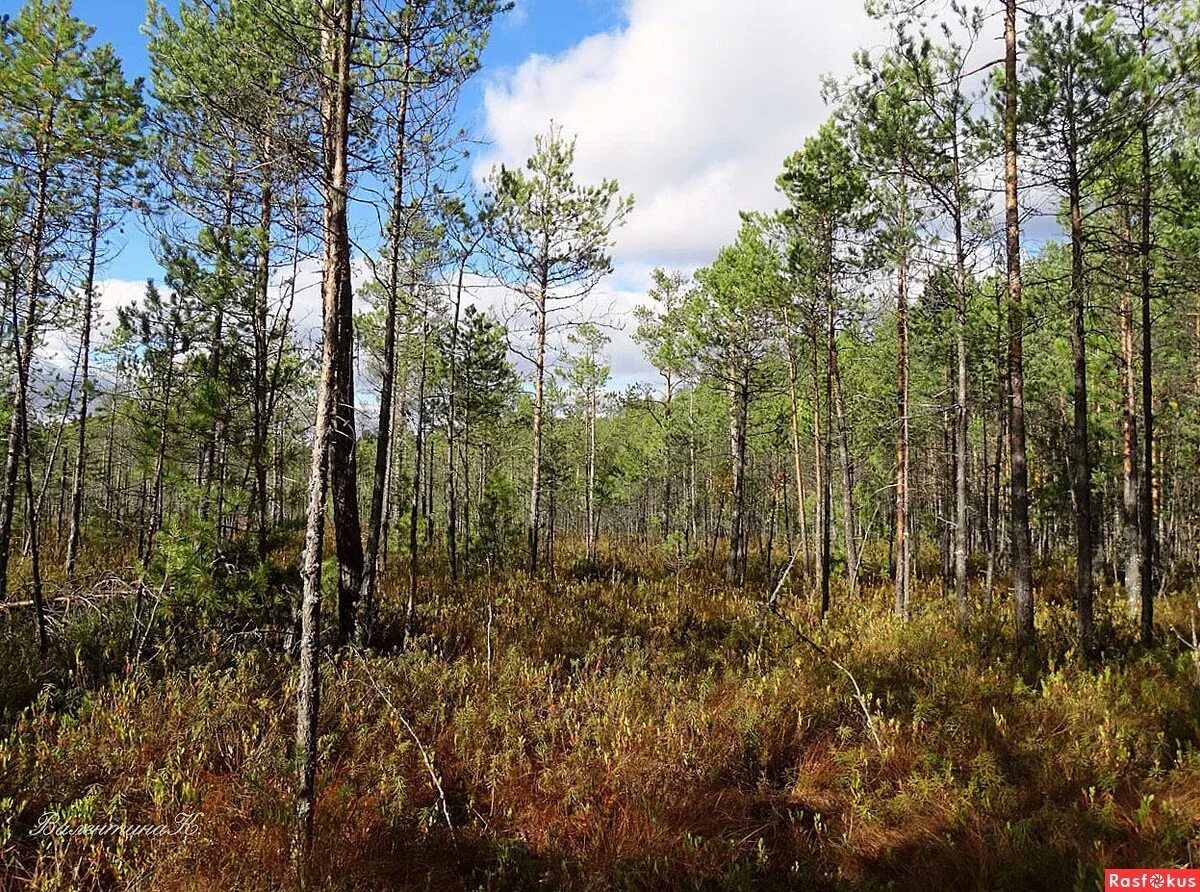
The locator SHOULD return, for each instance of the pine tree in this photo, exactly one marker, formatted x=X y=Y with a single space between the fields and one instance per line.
x=552 y=237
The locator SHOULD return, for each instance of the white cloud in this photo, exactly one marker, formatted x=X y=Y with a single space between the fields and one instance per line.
x=691 y=105
x=58 y=356
x=114 y=293
x=607 y=306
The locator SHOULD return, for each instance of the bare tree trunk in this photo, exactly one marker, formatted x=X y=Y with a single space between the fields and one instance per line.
x=801 y=516
x=207 y=469
x=535 y=486
x=22 y=355
x=668 y=444
x=452 y=439
x=999 y=532
x=343 y=467
x=427 y=500
x=945 y=490
x=418 y=464
x=693 y=508
x=23 y=350
x=337 y=25
x=961 y=593
x=771 y=507
x=548 y=541
x=820 y=511
x=466 y=478
x=113 y=506
x=31 y=521
x=62 y=494
x=74 y=537
x=591 y=473
x=903 y=557
x=379 y=493
x=1022 y=565
x=1145 y=494
x=849 y=509
x=988 y=527
x=156 y=511
x=737 y=456
x=1081 y=471
x=452 y=435
x=827 y=464
x=51 y=461
x=395 y=498
x=1130 y=518
x=262 y=398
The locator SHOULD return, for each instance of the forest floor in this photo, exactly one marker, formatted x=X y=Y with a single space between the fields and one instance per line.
x=614 y=729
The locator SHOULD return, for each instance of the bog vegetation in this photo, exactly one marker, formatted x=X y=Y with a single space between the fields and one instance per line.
x=888 y=579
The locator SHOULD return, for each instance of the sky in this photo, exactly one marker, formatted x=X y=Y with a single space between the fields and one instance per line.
x=691 y=105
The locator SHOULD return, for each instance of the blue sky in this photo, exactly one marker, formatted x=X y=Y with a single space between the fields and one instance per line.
x=545 y=27
x=691 y=105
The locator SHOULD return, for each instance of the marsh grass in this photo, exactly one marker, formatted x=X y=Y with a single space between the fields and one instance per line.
x=632 y=731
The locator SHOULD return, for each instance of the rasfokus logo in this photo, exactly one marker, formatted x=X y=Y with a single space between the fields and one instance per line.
x=1149 y=878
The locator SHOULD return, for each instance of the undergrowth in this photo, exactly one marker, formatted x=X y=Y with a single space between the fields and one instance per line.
x=628 y=732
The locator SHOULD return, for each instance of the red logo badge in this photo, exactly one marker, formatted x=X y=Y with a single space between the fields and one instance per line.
x=1152 y=878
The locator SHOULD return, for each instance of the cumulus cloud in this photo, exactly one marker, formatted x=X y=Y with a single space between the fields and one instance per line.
x=691 y=104
x=58 y=356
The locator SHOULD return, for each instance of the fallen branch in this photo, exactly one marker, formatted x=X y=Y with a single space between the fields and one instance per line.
x=425 y=755
x=74 y=597
x=772 y=606
x=1192 y=644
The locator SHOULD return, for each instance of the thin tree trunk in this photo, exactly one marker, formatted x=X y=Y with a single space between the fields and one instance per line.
x=820 y=548
x=31 y=522
x=62 y=495
x=849 y=509
x=903 y=556
x=737 y=458
x=1022 y=565
x=452 y=441
x=22 y=355
x=418 y=463
x=591 y=473
x=998 y=515
x=337 y=26
x=693 y=508
x=668 y=443
x=110 y=483
x=428 y=505
x=1081 y=460
x=262 y=420
x=396 y=500
x=961 y=593
x=75 y=536
x=208 y=456
x=1130 y=518
x=379 y=492
x=51 y=461
x=1145 y=494
x=343 y=467
x=160 y=459
x=466 y=504
x=535 y=486
x=827 y=462
x=23 y=349
x=801 y=516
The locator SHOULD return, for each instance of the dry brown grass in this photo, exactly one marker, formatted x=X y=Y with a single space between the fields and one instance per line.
x=626 y=739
